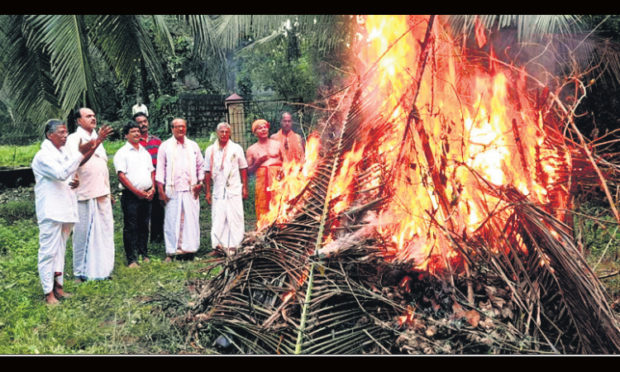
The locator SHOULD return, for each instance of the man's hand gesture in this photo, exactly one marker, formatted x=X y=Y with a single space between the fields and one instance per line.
x=104 y=132
x=87 y=146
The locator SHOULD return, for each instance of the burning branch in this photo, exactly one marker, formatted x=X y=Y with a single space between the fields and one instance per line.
x=570 y=114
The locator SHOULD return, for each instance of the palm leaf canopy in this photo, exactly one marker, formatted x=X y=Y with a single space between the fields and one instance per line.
x=47 y=64
x=324 y=30
x=62 y=38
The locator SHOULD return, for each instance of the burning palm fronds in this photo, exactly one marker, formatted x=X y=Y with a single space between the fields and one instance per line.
x=432 y=218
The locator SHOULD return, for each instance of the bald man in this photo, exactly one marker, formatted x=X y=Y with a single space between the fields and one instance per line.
x=179 y=177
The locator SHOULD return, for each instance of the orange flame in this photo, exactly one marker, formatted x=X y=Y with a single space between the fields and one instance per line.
x=295 y=177
x=475 y=127
x=476 y=130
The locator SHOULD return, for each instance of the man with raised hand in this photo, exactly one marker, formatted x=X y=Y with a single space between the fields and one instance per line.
x=93 y=234
x=56 y=204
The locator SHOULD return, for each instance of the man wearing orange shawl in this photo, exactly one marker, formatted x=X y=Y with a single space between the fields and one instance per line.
x=290 y=142
x=265 y=159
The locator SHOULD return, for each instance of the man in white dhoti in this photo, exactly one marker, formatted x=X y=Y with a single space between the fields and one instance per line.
x=179 y=178
x=226 y=167
x=93 y=235
x=56 y=204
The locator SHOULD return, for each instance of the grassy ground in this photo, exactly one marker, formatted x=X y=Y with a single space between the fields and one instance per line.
x=17 y=156
x=129 y=314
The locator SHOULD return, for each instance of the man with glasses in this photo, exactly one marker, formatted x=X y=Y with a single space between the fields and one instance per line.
x=179 y=177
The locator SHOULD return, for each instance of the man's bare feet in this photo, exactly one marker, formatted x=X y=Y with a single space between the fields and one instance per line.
x=59 y=293
x=51 y=299
x=168 y=259
x=133 y=265
x=146 y=260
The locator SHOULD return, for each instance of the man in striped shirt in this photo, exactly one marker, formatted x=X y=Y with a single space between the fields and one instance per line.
x=151 y=144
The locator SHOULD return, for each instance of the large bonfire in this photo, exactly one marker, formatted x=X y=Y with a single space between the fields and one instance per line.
x=429 y=216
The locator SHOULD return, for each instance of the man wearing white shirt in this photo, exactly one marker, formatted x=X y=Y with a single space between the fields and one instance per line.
x=179 y=177
x=226 y=168
x=55 y=203
x=137 y=177
x=93 y=235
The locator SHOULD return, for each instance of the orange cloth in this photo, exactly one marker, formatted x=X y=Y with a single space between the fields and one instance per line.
x=262 y=197
x=291 y=145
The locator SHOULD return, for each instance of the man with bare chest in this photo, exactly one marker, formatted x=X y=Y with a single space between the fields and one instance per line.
x=265 y=159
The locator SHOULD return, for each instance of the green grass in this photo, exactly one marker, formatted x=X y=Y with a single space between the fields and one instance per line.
x=118 y=316
x=130 y=314
x=599 y=234
x=18 y=156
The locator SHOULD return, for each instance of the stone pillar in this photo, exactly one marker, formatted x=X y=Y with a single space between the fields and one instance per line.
x=236 y=119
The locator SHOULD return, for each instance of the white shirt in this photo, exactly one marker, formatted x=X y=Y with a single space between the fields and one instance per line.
x=139 y=108
x=179 y=166
x=93 y=175
x=53 y=169
x=136 y=164
x=227 y=162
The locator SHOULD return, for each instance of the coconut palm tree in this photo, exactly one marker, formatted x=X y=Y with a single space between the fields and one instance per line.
x=47 y=59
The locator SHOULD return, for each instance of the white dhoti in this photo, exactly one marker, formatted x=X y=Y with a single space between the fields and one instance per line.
x=227 y=224
x=53 y=237
x=93 y=239
x=181 y=223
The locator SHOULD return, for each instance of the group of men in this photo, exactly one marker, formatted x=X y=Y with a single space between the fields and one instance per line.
x=161 y=182
x=72 y=192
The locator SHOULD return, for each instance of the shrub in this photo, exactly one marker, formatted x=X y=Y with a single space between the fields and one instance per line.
x=15 y=210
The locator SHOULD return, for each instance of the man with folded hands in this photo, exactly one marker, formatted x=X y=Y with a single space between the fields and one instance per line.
x=179 y=178
x=137 y=180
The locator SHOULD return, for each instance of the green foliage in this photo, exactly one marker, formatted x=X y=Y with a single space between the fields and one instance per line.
x=163 y=109
x=291 y=78
x=55 y=63
x=14 y=210
x=599 y=234
x=597 y=228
